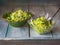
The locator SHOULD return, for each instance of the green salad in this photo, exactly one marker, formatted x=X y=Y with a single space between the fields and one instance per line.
x=18 y=16
x=41 y=25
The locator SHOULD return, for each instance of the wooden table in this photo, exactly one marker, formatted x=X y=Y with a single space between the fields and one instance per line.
x=7 y=32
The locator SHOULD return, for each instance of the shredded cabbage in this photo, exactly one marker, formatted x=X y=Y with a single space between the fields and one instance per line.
x=19 y=15
x=41 y=25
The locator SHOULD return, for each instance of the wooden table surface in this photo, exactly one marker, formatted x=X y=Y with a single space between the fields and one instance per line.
x=8 y=32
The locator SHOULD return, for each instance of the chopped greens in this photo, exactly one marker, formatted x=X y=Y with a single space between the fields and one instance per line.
x=19 y=16
x=41 y=25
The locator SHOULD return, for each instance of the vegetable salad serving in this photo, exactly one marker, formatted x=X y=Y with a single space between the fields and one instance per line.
x=19 y=16
x=41 y=25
